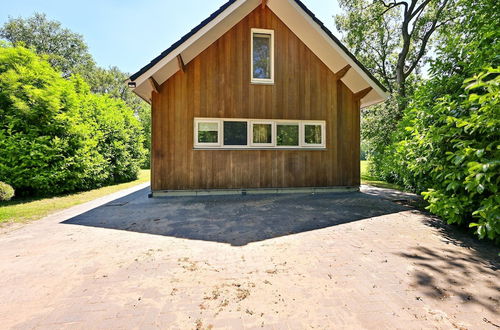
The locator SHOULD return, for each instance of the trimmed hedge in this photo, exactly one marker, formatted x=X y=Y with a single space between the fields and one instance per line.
x=58 y=137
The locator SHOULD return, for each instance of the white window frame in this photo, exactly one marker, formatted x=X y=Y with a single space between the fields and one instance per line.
x=289 y=122
x=232 y=145
x=273 y=133
x=323 y=134
x=219 y=133
x=259 y=146
x=260 y=80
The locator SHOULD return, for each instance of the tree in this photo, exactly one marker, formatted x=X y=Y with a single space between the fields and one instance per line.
x=447 y=144
x=144 y=116
x=392 y=37
x=66 y=50
x=55 y=135
x=111 y=82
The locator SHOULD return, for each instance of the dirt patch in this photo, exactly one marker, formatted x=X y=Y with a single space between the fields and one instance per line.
x=187 y=264
x=227 y=295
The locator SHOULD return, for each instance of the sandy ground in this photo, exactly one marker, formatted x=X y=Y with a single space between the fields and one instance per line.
x=285 y=262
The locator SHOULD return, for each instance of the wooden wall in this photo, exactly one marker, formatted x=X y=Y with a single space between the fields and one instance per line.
x=217 y=84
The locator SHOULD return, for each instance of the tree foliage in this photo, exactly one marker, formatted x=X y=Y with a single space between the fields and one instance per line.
x=66 y=50
x=447 y=144
x=111 y=82
x=452 y=151
x=55 y=135
x=392 y=37
x=465 y=175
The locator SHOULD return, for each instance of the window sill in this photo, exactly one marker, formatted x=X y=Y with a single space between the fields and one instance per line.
x=263 y=148
x=262 y=83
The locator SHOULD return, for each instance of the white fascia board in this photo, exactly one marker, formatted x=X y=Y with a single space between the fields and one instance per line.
x=143 y=89
x=365 y=105
x=332 y=43
x=198 y=35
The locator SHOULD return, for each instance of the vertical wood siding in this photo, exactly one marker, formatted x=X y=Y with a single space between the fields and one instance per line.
x=217 y=84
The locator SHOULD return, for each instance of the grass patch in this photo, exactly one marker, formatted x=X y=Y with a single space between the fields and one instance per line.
x=367 y=179
x=34 y=208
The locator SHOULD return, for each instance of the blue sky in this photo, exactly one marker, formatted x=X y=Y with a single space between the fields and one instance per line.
x=130 y=33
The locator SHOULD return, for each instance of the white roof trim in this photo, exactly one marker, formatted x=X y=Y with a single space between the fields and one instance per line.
x=288 y=20
x=173 y=55
x=301 y=25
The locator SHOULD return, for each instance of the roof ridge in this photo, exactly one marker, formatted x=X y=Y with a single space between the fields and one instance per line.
x=223 y=8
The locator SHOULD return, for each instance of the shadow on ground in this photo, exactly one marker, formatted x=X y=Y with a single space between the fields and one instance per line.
x=451 y=271
x=236 y=220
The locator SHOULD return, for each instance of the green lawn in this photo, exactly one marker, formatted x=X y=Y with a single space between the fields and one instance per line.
x=28 y=209
x=369 y=180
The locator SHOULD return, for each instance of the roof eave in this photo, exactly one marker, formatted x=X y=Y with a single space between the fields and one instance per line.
x=160 y=61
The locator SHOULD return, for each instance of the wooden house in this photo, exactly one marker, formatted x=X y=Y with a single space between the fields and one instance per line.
x=260 y=96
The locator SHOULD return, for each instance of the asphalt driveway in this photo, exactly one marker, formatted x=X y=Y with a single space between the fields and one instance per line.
x=356 y=260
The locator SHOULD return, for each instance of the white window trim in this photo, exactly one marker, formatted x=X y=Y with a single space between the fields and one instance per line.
x=219 y=133
x=259 y=80
x=262 y=146
x=222 y=133
x=323 y=134
x=273 y=133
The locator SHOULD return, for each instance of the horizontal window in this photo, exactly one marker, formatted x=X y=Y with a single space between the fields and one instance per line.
x=258 y=133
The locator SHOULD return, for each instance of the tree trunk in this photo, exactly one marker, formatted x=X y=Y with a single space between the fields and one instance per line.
x=401 y=87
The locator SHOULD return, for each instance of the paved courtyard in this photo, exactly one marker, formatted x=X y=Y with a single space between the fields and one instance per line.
x=355 y=260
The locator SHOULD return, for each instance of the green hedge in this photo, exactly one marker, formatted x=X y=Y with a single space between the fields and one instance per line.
x=466 y=178
x=55 y=135
x=450 y=151
x=447 y=142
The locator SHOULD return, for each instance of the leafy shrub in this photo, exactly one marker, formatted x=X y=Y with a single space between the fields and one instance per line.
x=451 y=151
x=466 y=177
x=6 y=191
x=55 y=135
x=119 y=135
x=446 y=144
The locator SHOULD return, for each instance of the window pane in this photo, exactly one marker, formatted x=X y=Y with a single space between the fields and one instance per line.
x=312 y=134
x=235 y=133
x=262 y=133
x=287 y=135
x=208 y=132
x=262 y=56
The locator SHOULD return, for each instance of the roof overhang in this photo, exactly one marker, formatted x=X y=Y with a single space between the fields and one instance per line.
x=299 y=20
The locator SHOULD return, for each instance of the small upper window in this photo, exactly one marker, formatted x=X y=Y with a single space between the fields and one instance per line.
x=262 y=56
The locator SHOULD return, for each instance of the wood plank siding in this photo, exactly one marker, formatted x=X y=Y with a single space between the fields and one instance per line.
x=217 y=84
